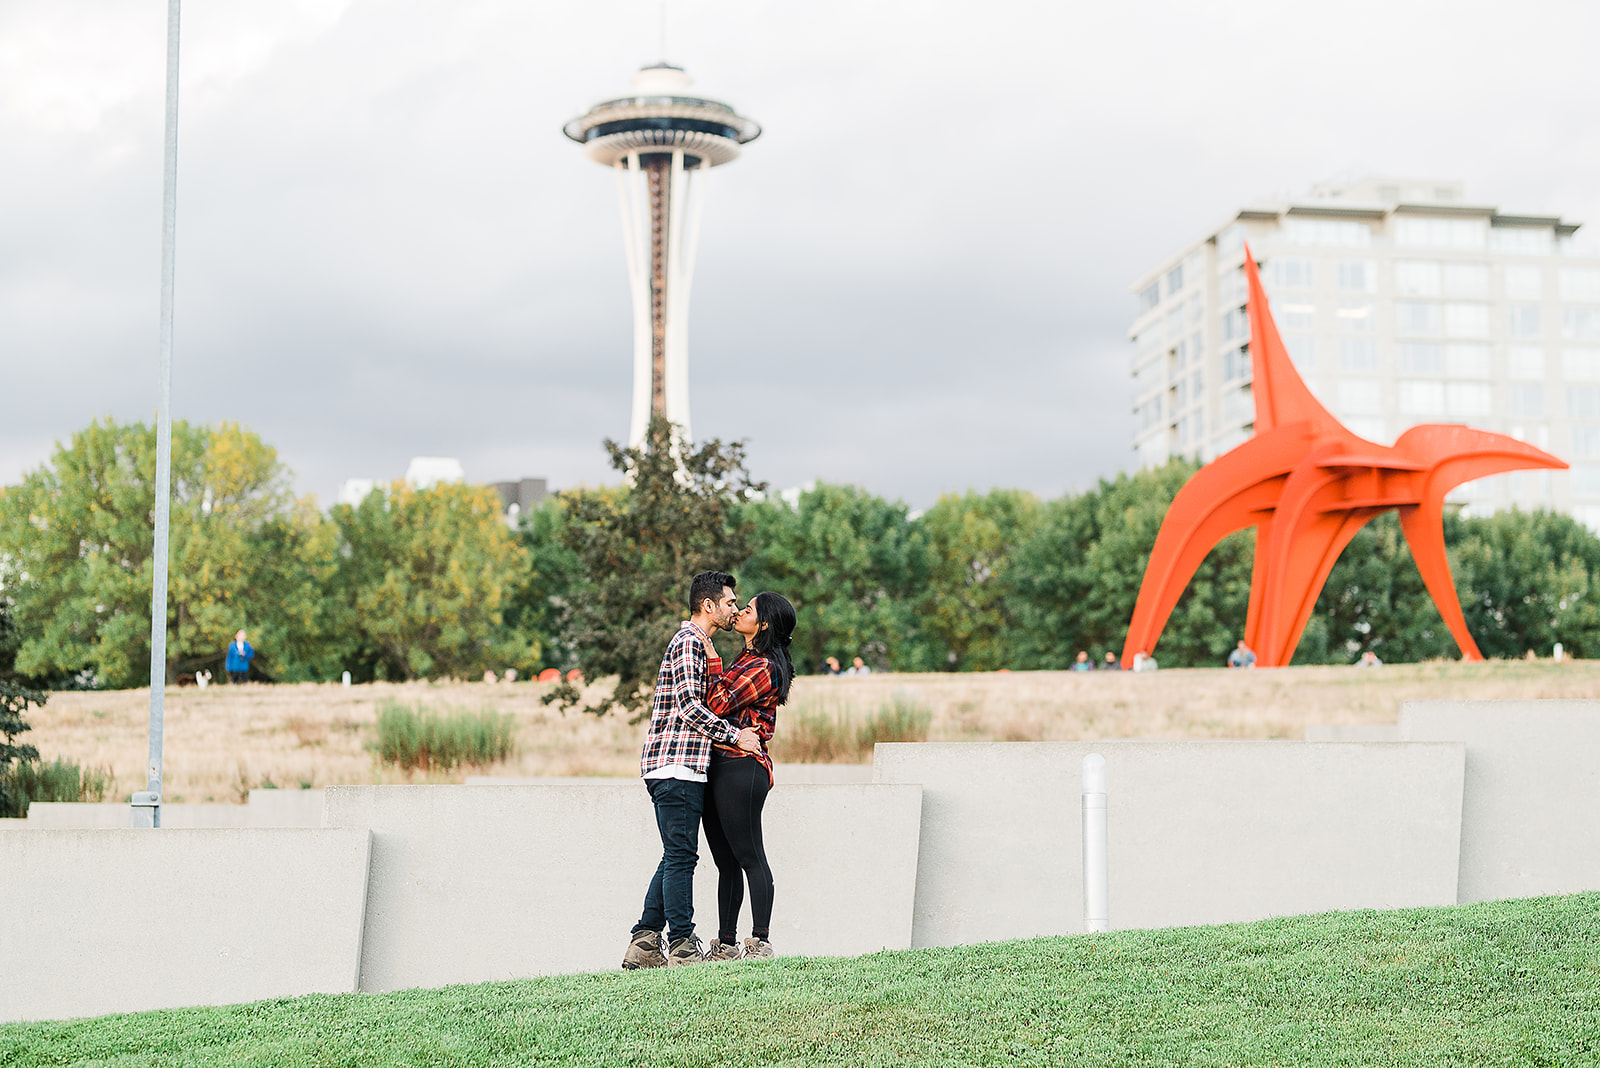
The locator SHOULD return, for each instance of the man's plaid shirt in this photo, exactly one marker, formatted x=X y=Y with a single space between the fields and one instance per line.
x=682 y=728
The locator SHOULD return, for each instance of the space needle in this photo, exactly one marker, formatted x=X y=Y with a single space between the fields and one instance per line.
x=660 y=140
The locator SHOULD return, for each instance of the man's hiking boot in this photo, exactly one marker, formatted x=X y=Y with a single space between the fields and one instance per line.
x=758 y=949
x=721 y=950
x=644 y=951
x=685 y=950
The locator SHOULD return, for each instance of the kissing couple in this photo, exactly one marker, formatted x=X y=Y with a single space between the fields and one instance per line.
x=705 y=761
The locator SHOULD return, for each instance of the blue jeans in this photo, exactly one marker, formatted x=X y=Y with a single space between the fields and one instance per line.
x=670 y=900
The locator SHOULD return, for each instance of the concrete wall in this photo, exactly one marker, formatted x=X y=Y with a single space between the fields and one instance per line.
x=1530 y=821
x=192 y=918
x=1200 y=832
x=785 y=774
x=1352 y=732
x=266 y=808
x=471 y=883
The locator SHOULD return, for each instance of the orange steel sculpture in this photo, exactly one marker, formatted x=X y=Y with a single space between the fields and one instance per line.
x=1307 y=484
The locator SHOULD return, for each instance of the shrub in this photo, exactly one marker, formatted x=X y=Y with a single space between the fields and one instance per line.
x=419 y=737
x=903 y=719
x=819 y=733
x=59 y=780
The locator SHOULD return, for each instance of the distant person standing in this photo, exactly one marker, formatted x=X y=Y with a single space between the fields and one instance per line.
x=1110 y=662
x=239 y=656
x=1143 y=661
x=1369 y=659
x=1242 y=656
x=830 y=666
x=1082 y=663
x=858 y=666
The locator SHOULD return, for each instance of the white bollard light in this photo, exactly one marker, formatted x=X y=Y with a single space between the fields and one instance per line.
x=1096 y=884
x=347 y=678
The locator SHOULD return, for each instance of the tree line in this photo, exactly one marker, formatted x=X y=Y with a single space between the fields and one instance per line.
x=432 y=583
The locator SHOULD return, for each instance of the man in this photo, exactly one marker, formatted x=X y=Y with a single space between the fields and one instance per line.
x=1143 y=661
x=239 y=655
x=1110 y=662
x=858 y=666
x=677 y=751
x=1242 y=657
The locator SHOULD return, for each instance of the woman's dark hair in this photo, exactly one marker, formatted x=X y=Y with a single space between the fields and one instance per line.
x=772 y=641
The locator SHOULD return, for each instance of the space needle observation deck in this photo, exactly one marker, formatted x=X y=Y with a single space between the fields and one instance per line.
x=660 y=140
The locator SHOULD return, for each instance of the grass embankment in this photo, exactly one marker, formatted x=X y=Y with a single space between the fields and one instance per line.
x=224 y=740
x=1507 y=983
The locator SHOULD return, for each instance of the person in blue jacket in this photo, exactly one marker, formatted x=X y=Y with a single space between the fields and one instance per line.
x=239 y=654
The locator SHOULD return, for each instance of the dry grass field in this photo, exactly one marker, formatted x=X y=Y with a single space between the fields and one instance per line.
x=223 y=741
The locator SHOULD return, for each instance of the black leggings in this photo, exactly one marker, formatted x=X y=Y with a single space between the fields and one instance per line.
x=736 y=792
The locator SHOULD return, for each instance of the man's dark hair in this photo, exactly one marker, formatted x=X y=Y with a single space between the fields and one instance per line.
x=708 y=584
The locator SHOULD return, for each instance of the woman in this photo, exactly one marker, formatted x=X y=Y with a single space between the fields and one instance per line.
x=747 y=693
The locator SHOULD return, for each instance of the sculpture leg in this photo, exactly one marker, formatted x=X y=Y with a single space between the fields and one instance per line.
x=1423 y=527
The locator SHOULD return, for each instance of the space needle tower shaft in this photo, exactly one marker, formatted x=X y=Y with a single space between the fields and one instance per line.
x=661 y=141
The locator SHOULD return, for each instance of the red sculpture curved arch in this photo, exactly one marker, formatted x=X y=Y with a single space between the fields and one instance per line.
x=1308 y=484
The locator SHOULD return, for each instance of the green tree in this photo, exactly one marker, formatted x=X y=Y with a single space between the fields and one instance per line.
x=422 y=583
x=966 y=608
x=851 y=563
x=79 y=535
x=537 y=606
x=14 y=701
x=637 y=548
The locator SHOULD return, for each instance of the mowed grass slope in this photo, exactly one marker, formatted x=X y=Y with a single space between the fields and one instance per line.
x=1508 y=983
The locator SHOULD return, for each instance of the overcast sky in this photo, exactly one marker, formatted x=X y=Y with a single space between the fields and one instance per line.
x=916 y=280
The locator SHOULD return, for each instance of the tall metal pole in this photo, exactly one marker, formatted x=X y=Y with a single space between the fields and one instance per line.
x=147 y=803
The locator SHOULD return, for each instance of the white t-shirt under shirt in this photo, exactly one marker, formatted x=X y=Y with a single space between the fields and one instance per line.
x=677 y=771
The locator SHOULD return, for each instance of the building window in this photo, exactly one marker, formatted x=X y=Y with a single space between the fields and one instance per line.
x=1360 y=396
x=1417 y=278
x=1299 y=316
x=1302 y=350
x=1466 y=320
x=1358 y=276
x=1358 y=354
x=1289 y=272
x=1586 y=442
x=1525 y=363
x=1235 y=364
x=1197 y=384
x=1524 y=320
x=1466 y=360
x=1521 y=240
x=1175 y=280
x=1174 y=323
x=1581 y=365
x=1421 y=398
x=1525 y=402
x=1149 y=297
x=1413 y=317
x=1524 y=282
x=1586 y=480
x=1331 y=232
x=1466 y=280
x=1231 y=288
x=1238 y=406
x=1420 y=358
x=1583 y=402
x=1357 y=315
x=1467 y=399
x=1412 y=231
x=1235 y=325
x=1580 y=324
x=1580 y=283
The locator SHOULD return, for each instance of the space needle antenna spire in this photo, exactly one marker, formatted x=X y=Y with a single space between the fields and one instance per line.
x=660 y=140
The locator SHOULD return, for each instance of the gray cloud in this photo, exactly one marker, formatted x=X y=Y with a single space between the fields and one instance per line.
x=915 y=280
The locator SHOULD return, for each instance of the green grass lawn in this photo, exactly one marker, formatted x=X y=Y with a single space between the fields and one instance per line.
x=1506 y=983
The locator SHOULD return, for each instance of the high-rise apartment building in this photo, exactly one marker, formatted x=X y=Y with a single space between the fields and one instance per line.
x=1400 y=303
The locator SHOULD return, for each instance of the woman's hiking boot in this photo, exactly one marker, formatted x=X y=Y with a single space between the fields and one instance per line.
x=721 y=950
x=644 y=951
x=758 y=949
